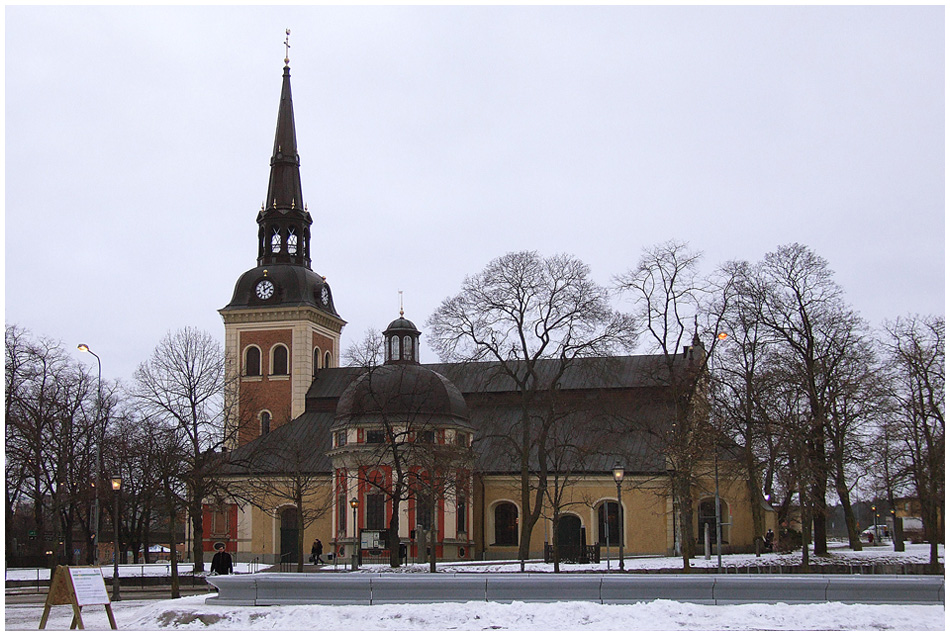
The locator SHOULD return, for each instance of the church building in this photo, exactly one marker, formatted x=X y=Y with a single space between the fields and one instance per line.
x=332 y=452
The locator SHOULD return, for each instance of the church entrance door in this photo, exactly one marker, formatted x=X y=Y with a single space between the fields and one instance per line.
x=289 y=552
x=570 y=542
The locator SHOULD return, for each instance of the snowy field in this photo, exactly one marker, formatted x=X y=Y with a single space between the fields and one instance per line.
x=192 y=613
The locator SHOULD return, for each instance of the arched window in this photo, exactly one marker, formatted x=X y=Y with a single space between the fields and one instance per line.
x=375 y=508
x=394 y=348
x=607 y=514
x=265 y=422
x=326 y=360
x=252 y=361
x=280 y=361
x=506 y=524
x=406 y=348
x=275 y=240
x=316 y=360
x=292 y=241
x=461 y=513
x=423 y=513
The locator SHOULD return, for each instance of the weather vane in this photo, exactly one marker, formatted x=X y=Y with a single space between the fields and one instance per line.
x=400 y=304
x=287 y=48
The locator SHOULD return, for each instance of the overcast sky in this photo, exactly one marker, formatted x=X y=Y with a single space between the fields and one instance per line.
x=433 y=139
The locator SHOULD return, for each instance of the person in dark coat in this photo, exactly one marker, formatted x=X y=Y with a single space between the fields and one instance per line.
x=222 y=563
x=769 y=540
x=316 y=552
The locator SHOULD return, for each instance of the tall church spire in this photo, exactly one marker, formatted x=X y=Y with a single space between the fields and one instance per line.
x=284 y=222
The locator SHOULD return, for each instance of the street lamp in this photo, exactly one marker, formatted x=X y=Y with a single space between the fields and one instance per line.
x=354 y=502
x=95 y=504
x=618 y=477
x=720 y=336
x=876 y=532
x=116 y=486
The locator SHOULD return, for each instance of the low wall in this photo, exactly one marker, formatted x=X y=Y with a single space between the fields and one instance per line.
x=374 y=589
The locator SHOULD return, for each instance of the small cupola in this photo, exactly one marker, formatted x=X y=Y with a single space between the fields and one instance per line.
x=402 y=341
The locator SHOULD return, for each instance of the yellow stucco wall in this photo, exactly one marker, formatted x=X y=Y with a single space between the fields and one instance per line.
x=646 y=500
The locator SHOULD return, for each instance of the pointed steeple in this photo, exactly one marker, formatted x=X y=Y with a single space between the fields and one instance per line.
x=284 y=222
x=284 y=189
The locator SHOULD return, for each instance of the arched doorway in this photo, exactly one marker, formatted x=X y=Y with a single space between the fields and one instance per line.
x=289 y=552
x=570 y=538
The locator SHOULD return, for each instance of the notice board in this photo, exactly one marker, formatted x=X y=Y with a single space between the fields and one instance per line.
x=77 y=586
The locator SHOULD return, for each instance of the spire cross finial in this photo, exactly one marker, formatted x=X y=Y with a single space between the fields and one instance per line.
x=400 y=304
x=287 y=48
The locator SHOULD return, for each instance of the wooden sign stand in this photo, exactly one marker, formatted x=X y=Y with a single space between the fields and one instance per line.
x=77 y=586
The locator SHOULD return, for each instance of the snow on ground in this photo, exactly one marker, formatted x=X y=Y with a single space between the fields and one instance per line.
x=839 y=554
x=192 y=613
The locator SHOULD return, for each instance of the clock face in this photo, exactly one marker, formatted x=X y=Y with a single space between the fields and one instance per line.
x=325 y=296
x=264 y=289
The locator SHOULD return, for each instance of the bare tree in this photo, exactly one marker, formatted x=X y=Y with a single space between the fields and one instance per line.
x=803 y=309
x=668 y=290
x=182 y=385
x=916 y=352
x=49 y=441
x=522 y=309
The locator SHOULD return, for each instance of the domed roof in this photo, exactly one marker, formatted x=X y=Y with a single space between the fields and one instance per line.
x=292 y=285
x=402 y=324
x=406 y=392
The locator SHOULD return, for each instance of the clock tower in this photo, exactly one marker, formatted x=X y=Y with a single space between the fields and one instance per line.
x=281 y=326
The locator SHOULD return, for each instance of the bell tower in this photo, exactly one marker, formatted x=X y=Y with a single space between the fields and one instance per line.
x=281 y=325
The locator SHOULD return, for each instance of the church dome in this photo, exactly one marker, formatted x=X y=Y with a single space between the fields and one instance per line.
x=402 y=392
x=402 y=324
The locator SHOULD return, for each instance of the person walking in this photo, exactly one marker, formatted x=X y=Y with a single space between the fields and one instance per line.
x=316 y=552
x=769 y=541
x=222 y=562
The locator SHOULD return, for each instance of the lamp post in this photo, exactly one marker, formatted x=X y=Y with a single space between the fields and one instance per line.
x=354 y=502
x=116 y=486
x=719 y=336
x=95 y=503
x=618 y=477
x=876 y=532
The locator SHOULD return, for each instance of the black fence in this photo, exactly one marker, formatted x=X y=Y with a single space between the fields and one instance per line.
x=573 y=553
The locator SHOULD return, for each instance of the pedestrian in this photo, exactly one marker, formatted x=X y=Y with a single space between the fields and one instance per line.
x=769 y=540
x=316 y=552
x=221 y=563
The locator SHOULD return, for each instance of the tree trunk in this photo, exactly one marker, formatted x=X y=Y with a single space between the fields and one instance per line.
x=392 y=536
x=197 y=526
x=433 y=533
x=298 y=501
x=173 y=546
x=806 y=537
x=754 y=489
x=844 y=495
x=684 y=497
